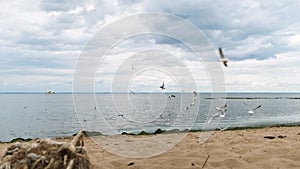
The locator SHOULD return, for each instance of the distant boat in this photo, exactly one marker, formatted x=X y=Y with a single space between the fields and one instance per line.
x=50 y=92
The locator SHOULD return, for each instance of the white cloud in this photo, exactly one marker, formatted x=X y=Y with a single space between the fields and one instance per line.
x=273 y=74
x=261 y=39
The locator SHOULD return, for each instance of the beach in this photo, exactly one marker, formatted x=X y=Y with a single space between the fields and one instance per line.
x=272 y=147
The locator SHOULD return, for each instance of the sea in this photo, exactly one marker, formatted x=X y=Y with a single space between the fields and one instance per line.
x=37 y=115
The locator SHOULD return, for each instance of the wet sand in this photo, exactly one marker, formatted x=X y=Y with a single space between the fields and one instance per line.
x=223 y=149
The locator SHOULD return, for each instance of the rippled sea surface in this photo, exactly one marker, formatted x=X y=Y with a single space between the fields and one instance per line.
x=41 y=115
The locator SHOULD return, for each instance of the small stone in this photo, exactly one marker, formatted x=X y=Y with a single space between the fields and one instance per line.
x=280 y=136
x=269 y=137
x=131 y=163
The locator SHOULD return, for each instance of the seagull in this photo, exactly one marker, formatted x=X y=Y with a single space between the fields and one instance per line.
x=132 y=92
x=221 y=113
x=162 y=86
x=252 y=111
x=195 y=96
x=195 y=93
x=222 y=110
x=223 y=59
x=132 y=67
x=213 y=117
x=172 y=95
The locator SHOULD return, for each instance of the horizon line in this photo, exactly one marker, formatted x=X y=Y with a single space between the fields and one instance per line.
x=125 y=92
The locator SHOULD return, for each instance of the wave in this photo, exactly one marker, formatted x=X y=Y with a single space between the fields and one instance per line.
x=161 y=131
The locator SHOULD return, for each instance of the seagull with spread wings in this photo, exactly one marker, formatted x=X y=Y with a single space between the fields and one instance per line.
x=162 y=86
x=171 y=96
x=221 y=112
x=253 y=110
x=223 y=59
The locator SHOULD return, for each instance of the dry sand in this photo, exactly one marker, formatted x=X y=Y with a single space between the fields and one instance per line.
x=239 y=149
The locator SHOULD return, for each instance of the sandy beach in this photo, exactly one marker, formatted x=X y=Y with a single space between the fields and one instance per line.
x=224 y=149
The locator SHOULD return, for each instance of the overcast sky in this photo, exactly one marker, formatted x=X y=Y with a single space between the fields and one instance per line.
x=41 y=40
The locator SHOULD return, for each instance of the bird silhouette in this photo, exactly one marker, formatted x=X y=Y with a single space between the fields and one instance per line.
x=223 y=59
x=221 y=112
x=162 y=86
x=253 y=110
x=171 y=96
x=132 y=67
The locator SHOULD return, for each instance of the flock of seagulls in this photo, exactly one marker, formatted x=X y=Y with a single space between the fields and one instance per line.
x=221 y=110
x=222 y=59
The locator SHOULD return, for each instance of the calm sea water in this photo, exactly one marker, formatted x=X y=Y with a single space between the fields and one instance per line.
x=41 y=115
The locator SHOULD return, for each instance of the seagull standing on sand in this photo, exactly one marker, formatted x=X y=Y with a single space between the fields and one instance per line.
x=252 y=111
x=162 y=86
x=223 y=59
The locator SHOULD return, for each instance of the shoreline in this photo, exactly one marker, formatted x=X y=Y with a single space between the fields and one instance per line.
x=270 y=147
x=157 y=131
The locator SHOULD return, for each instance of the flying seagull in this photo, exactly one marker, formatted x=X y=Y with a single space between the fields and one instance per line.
x=132 y=92
x=221 y=113
x=223 y=59
x=132 y=67
x=252 y=111
x=195 y=93
x=172 y=95
x=222 y=110
x=213 y=117
x=162 y=86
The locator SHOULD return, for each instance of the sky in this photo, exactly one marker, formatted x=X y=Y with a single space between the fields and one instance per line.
x=42 y=40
